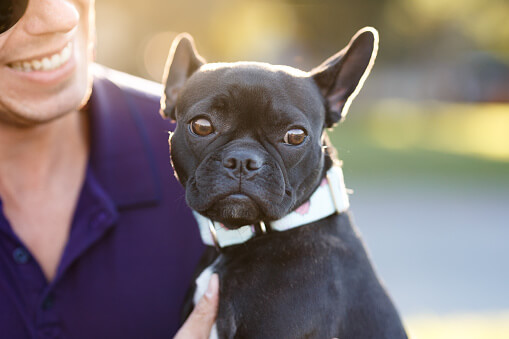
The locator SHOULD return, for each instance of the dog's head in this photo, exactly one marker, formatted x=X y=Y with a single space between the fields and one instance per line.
x=248 y=145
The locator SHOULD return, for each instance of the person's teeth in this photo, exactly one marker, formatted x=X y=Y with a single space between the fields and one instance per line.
x=46 y=64
x=37 y=65
x=27 y=67
x=55 y=60
x=66 y=53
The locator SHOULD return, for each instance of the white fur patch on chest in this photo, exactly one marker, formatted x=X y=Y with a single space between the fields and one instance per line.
x=202 y=283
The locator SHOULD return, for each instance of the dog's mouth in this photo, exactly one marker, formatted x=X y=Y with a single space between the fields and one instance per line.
x=235 y=210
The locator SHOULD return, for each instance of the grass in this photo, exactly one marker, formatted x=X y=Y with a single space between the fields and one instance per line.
x=459 y=144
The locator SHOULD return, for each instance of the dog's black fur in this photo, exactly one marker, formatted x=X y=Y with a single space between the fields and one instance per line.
x=315 y=281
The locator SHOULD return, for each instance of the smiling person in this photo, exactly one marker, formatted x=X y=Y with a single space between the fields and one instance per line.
x=96 y=240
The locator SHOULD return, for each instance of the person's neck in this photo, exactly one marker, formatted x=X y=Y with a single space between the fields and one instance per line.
x=33 y=158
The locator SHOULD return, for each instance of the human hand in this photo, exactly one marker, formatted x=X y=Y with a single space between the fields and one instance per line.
x=200 y=321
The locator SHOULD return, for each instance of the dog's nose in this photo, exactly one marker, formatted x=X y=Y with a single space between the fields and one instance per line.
x=243 y=162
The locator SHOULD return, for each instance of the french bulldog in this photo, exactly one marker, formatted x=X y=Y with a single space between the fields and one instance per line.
x=251 y=150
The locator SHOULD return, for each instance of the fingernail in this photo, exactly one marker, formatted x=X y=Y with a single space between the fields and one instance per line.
x=213 y=286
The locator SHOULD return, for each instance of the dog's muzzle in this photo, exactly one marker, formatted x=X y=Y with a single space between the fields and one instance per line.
x=331 y=197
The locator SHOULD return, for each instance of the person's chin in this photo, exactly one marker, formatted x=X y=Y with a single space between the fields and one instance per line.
x=45 y=110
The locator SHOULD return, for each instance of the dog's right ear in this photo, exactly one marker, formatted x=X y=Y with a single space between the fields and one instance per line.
x=183 y=61
x=341 y=77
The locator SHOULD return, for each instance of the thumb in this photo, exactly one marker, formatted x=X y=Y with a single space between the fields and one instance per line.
x=200 y=321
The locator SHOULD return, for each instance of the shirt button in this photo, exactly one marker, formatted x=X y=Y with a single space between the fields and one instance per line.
x=47 y=303
x=21 y=255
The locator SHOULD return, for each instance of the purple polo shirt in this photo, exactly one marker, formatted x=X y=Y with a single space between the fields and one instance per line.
x=133 y=244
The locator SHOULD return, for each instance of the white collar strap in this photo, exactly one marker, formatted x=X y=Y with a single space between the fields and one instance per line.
x=329 y=198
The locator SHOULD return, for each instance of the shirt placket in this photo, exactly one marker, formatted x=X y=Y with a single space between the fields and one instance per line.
x=37 y=299
x=28 y=286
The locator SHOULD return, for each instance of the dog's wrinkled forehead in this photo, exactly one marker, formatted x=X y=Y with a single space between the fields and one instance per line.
x=251 y=89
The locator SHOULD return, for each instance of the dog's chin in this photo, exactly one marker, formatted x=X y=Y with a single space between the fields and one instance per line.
x=234 y=211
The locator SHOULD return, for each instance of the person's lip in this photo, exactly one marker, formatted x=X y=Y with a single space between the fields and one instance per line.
x=48 y=68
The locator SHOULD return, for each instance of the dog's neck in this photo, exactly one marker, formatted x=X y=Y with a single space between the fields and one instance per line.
x=331 y=197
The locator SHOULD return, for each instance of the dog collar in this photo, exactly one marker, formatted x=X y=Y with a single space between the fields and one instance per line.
x=329 y=198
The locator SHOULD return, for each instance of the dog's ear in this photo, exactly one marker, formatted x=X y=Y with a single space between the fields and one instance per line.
x=341 y=77
x=183 y=61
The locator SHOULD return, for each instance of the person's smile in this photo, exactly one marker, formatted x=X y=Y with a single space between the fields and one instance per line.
x=46 y=68
x=44 y=61
x=47 y=62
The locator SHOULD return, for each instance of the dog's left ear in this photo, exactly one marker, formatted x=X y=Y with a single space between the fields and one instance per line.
x=341 y=77
x=183 y=61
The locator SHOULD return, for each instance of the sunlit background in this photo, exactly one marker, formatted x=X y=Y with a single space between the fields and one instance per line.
x=425 y=146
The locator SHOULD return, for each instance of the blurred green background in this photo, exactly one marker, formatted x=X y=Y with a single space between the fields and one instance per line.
x=425 y=146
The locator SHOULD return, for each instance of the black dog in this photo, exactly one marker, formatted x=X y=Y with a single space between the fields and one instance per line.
x=250 y=149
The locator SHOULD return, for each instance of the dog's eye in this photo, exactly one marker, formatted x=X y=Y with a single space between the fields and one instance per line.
x=202 y=127
x=295 y=136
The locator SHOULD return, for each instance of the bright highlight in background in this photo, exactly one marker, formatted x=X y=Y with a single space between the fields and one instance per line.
x=474 y=130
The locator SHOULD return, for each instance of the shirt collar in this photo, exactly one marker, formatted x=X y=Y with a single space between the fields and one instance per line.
x=121 y=156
